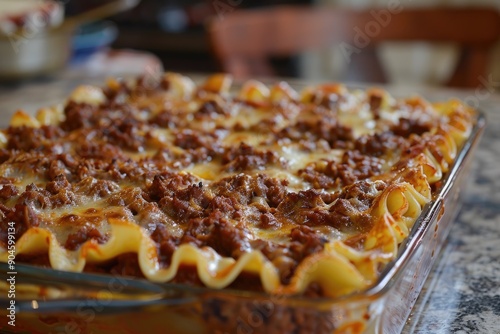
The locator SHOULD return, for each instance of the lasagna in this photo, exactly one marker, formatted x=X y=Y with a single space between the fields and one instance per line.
x=255 y=187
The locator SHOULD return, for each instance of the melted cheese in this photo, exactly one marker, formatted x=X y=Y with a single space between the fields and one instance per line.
x=127 y=212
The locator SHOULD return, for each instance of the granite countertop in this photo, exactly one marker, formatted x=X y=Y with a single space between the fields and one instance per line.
x=462 y=293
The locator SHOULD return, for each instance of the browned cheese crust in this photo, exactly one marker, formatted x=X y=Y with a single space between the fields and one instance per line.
x=265 y=170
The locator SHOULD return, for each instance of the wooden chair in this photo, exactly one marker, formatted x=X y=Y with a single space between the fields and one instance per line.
x=245 y=40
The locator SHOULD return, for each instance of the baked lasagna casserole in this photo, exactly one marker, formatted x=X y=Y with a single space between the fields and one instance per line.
x=259 y=188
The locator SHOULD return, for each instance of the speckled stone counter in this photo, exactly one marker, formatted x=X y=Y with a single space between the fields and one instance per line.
x=462 y=293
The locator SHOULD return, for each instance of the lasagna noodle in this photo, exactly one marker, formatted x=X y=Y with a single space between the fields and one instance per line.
x=351 y=261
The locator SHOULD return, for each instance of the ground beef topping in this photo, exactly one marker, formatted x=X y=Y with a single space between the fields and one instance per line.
x=161 y=154
x=330 y=174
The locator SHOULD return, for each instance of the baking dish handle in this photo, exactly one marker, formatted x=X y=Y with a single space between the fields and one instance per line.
x=38 y=289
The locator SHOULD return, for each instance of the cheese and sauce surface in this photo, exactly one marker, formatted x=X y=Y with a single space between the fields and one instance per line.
x=263 y=188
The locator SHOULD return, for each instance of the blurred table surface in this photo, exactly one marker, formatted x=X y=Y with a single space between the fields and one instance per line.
x=462 y=293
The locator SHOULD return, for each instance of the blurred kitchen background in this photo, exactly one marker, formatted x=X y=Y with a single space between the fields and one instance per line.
x=175 y=34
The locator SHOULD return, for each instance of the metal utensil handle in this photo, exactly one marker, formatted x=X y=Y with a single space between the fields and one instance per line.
x=100 y=12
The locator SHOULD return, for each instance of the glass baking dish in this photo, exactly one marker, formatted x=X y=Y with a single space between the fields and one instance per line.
x=51 y=301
